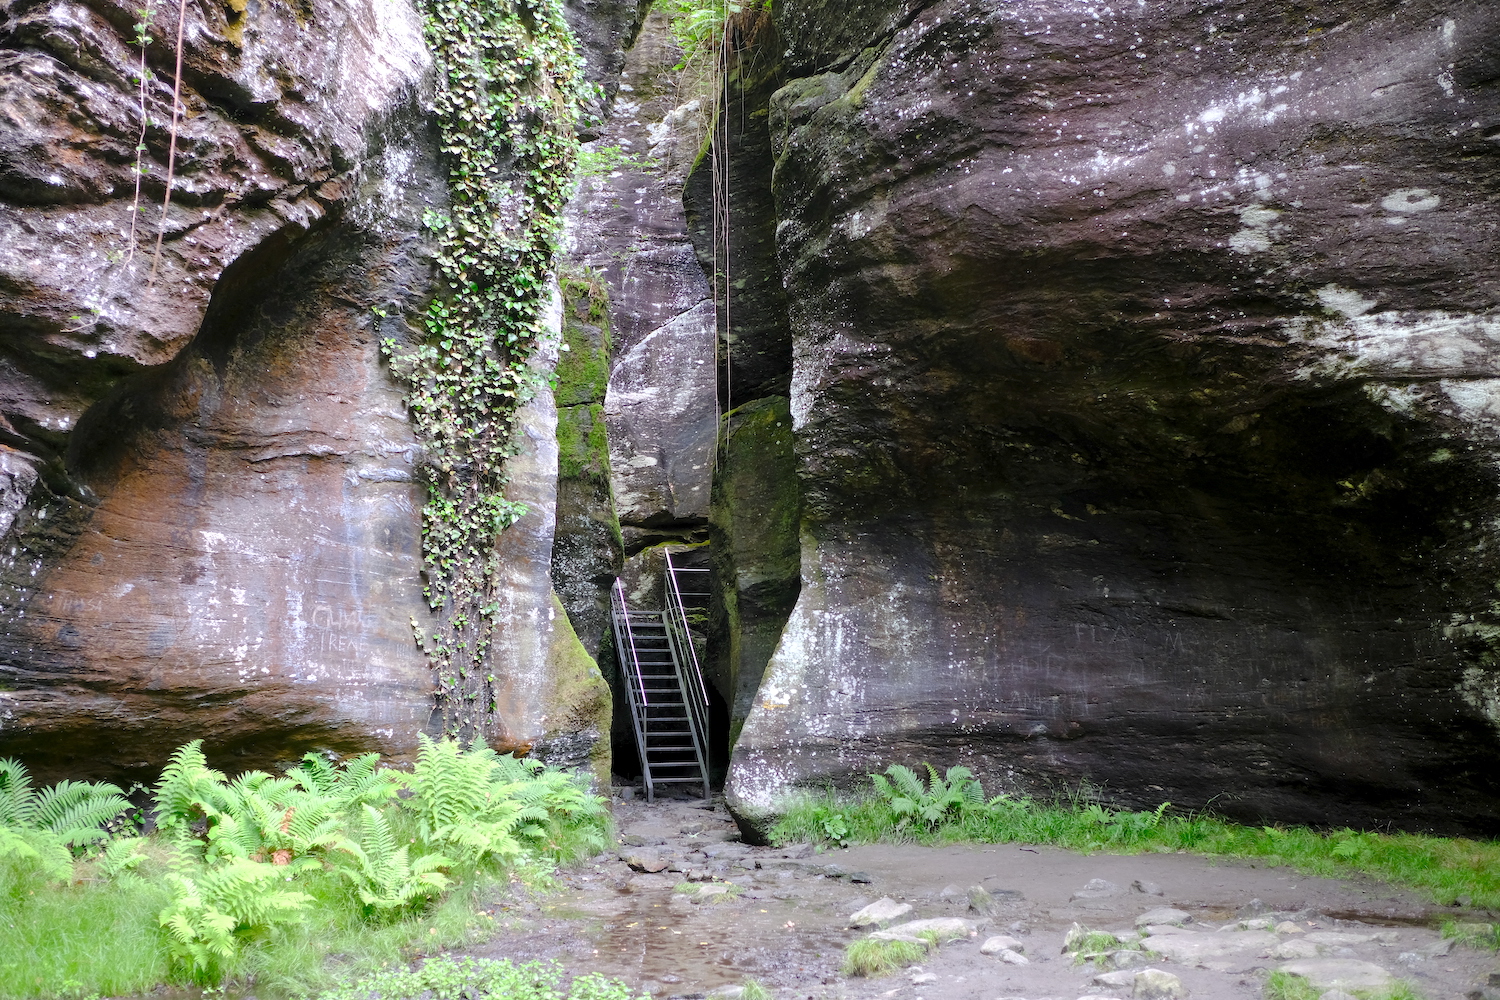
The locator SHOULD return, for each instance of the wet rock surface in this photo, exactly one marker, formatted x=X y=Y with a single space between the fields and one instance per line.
x=1143 y=389
x=719 y=911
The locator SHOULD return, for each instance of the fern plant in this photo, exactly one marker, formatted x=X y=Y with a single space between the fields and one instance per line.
x=44 y=826
x=188 y=792
x=456 y=802
x=942 y=798
x=486 y=807
x=213 y=910
x=358 y=781
x=384 y=875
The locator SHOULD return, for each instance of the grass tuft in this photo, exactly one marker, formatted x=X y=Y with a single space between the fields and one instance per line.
x=1285 y=986
x=870 y=957
x=755 y=990
x=1473 y=935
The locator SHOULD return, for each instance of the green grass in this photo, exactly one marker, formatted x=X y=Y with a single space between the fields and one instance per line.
x=1285 y=986
x=755 y=990
x=231 y=890
x=871 y=957
x=446 y=978
x=1473 y=935
x=78 y=940
x=1444 y=869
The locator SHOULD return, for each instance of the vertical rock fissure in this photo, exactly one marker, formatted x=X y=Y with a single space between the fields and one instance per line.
x=509 y=88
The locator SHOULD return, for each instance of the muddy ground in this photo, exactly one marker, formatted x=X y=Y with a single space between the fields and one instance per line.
x=788 y=925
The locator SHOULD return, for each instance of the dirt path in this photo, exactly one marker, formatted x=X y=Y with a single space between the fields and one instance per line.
x=787 y=927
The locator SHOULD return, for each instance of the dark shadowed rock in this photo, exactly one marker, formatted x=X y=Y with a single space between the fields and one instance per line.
x=1143 y=377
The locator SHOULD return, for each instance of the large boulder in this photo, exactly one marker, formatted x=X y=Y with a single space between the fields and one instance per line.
x=210 y=523
x=1144 y=388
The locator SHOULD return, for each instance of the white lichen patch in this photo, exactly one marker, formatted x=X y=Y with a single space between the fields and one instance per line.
x=1344 y=301
x=1259 y=230
x=1410 y=200
x=1481 y=690
x=1399 y=344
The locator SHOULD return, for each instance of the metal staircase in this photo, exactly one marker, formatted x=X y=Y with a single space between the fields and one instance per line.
x=659 y=666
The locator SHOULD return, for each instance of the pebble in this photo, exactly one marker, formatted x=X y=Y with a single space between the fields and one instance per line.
x=1296 y=948
x=999 y=943
x=981 y=903
x=1194 y=949
x=1163 y=915
x=924 y=977
x=1126 y=957
x=1097 y=888
x=1014 y=958
x=645 y=861
x=882 y=911
x=1115 y=979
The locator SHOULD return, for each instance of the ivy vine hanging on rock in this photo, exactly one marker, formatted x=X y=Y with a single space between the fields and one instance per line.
x=509 y=89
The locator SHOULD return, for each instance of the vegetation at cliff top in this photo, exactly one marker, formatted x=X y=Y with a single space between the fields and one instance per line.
x=952 y=808
x=270 y=879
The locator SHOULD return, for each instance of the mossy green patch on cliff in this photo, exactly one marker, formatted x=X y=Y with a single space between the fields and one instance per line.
x=582 y=690
x=582 y=443
x=754 y=521
x=583 y=367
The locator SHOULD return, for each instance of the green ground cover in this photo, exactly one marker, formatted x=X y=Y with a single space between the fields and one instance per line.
x=950 y=809
x=290 y=882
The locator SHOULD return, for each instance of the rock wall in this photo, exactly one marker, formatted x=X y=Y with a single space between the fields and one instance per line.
x=627 y=224
x=754 y=536
x=210 y=524
x=1145 y=404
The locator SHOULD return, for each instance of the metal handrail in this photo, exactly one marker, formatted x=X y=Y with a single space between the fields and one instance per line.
x=636 y=694
x=679 y=612
x=682 y=637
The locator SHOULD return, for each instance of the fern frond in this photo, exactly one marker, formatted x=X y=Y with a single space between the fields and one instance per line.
x=45 y=849
x=122 y=857
x=75 y=810
x=188 y=790
x=906 y=782
x=314 y=774
x=15 y=793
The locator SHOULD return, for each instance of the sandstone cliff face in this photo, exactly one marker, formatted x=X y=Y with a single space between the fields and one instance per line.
x=206 y=477
x=627 y=225
x=1145 y=403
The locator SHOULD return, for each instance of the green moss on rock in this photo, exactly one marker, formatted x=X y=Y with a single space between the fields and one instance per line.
x=754 y=521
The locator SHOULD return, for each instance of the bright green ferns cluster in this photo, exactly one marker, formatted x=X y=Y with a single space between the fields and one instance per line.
x=509 y=90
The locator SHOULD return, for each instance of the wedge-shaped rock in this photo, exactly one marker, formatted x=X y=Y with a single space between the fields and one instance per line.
x=882 y=911
x=946 y=928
